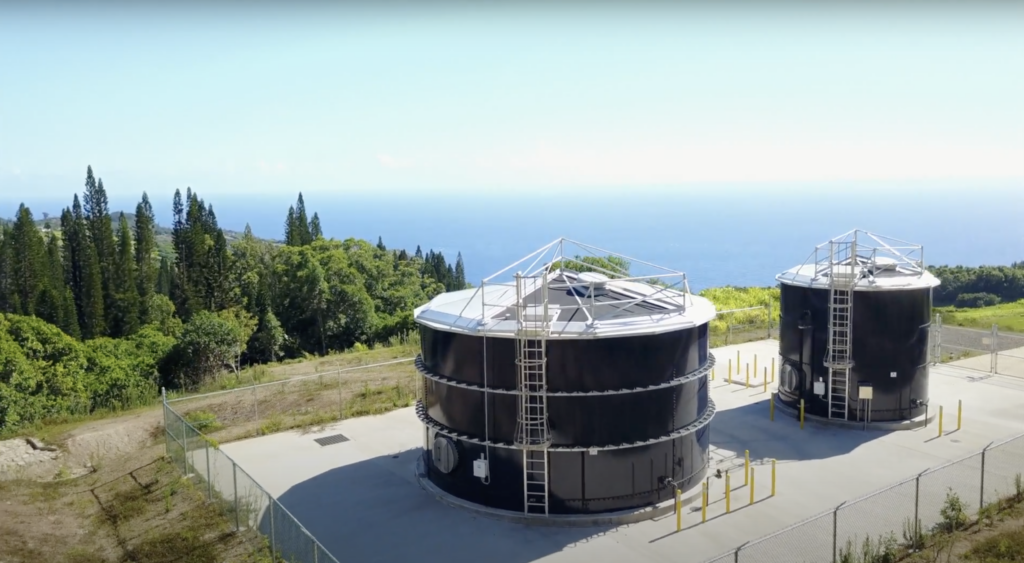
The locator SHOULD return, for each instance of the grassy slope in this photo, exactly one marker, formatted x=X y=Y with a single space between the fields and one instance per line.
x=1009 y=316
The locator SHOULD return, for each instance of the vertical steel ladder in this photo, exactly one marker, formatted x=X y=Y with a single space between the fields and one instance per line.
x=844 y=270
x=533 y=433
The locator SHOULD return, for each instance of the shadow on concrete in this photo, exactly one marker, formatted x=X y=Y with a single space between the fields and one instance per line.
x=748 y=427
x=374 y=510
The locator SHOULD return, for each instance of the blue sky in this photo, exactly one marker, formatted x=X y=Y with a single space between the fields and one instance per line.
x=448 y=98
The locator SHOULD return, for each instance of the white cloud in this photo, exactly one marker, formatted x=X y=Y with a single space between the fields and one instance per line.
x=389 y=161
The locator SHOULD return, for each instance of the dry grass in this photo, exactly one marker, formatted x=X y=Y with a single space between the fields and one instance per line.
x=307 y=403
x=137 y=508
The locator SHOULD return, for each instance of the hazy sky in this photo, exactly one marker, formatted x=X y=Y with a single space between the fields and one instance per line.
x=447 y=97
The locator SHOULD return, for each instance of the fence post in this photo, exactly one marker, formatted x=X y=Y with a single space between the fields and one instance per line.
x=835 y=533
x=917 y=505
x=981 y=497
x=184 y=445
x=167 y=443
x=256 y=406
x=769 y=320
x=341 y=410
x=209 y=481
x=994 y=364
x=728 y=336
x=234 y=483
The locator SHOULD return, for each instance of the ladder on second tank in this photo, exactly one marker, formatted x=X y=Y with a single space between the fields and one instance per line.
x=533 y=433
x=844 y=271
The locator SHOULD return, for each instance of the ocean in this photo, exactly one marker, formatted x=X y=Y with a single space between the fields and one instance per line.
x=718 y=237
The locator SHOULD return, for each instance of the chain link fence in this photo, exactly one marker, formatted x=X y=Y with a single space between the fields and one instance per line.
x=307 y=401
x=241 y=500
x=887 y=524
x=736 y=326
x=991 y=351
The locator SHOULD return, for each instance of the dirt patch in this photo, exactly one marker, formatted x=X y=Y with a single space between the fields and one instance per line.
x=134 y=508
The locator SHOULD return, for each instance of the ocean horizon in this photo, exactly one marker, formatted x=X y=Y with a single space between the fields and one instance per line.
x=718 y=237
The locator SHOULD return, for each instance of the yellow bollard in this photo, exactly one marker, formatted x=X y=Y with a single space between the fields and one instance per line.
x=802 y=414
x=765 y=380
x=729 y=376
x=704 y=502
x=748 y=376
x=959 y=413
x=751 y=485
x=773 y=370
x=712 y=374
x=679 y=509
x=771 y=408
x=728 y=493
x=940 y=421
x=737 y=362
x=755 y=365
x=746 y=466
x=773 y=477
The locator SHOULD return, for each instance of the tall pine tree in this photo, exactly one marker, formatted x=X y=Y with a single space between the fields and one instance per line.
x=101 y=233
x=163 y=277
x=302 y=222
x=460 y=273
x=82 y=268
x=8 y=301
x=145 y=250
x=298 y=231
x=28 y=266
x=125 y=306
x=57 y=305
x=314 y=227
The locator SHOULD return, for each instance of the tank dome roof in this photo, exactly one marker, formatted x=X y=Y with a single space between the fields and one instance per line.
x=876 y=263
x=590 y=294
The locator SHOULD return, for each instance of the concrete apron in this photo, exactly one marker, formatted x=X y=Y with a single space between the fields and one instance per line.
x=888 y=426
x=556 y=520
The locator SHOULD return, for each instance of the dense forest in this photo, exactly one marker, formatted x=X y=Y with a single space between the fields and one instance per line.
x=982 y=286
x=93 y=315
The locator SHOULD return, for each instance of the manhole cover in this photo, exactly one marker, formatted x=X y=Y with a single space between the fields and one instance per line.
x=328 y=440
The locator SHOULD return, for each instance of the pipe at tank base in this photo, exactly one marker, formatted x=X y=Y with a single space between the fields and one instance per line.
x=887 y=426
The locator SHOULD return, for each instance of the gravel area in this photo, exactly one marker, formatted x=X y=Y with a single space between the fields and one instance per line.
x=18 y=453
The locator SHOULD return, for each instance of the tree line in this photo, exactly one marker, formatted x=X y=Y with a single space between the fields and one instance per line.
x=94 y=288
x=982 y=286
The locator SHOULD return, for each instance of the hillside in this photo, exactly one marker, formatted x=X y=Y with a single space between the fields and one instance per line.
x=163 y=234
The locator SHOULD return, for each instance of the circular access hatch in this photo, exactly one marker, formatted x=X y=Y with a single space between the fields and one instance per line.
x=444 y=454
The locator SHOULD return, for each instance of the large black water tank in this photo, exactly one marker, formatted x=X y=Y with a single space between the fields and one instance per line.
x=627 y=396
x=889 y=328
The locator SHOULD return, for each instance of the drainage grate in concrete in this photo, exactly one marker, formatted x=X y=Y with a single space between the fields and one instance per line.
x=329 y=440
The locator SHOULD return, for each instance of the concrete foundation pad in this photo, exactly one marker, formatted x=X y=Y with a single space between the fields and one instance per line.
x=363 y=502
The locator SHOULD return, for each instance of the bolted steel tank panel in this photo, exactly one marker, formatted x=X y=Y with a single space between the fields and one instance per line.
x=890 y=331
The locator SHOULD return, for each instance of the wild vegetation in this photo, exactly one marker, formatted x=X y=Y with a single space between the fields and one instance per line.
x=966 y=286
x=93 y=316
x=992 y=534
x=1008 y=316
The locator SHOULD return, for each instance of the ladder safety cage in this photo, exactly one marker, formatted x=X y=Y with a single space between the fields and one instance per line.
x=533 y=433
x=844 y=272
